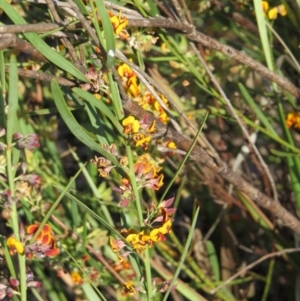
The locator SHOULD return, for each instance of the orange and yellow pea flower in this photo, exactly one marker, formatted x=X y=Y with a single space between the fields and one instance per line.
x=171 y=144
x=141 y=140
x=146 y=163
x=273 y=12
x=133 y=88
x=119 y=23
x=14 y=246
x=76 y=278
x=129 y=289
x=45 y=238
x=293 y=120
x=131 y=125
x=125 y=71
x=140 y=240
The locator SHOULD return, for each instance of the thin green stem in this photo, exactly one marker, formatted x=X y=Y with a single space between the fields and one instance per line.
x=140 y=218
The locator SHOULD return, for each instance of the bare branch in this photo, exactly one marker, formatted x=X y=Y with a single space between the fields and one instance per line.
x=201 y=156
x=240 y=56
x=43 y=76
x=250 y=266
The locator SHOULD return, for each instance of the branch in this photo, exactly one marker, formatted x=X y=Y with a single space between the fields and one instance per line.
x=201 y=156
x=253 y=264
x=43 y=77
x=196 y=36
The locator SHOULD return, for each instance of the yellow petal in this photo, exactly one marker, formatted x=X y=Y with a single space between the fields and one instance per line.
x=282 y=10
x=11 y=241
x=128 y=120
x=265 y=5
x=272 y=13
x=19 y=247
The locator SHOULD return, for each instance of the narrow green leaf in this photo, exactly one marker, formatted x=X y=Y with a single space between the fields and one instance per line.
x=2 y=91
x=90 y=293
x=108 y=33
x=12 y=100
x=73 y=125
x=213 y=258
x=184 y=254
x=261 y=24
x=41 y=45
x=260 y=115
x=101 y=106
x=81 y=7
x=282 y=154
x=55 y=204
x=91 y=212
x=116 y=99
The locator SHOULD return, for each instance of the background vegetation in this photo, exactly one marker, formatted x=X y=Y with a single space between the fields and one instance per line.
x=149 y=150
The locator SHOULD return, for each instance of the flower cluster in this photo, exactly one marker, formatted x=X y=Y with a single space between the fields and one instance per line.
x=95 y=78
x=42 y=246
x=158 y=224
x=146 y=174
x=119 y=23
x=145 y=168
x=11 y=288
x=139 y=94
x=139 y=130
x=273 y=12
x=29 y=142
x=293 y=120
x=76 y=278
x=104 y=165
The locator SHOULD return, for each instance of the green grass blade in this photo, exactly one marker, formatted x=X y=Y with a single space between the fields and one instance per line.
x=55 y=204
x=184 y=254
x=91 y=212
x=90 y=293
x=73 y=125
x=108 y=33
x=261 y=24
x=99 y=104
x=2 y=91
x=12 y=101
x=184 y=160
x=256 y=109
x=268 y=280
x=213 y=258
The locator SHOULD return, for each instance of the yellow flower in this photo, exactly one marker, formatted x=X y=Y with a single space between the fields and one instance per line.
x=14 y=246
x=272 y=13
x=293 y=120
x=131 y=125
x=118 y=22
x=125 y=71
x=136 y=240
x=265 y=5
x=163 y=117
x=133 y=87
x=151 y=127
x=141 y=140
x=128 y=289
x=282 y=10
x=76 y=278
x=171 y=145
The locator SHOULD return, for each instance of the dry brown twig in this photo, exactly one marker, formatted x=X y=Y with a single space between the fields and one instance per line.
x=192 y=34
x=253 y=264
x=201 y=156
